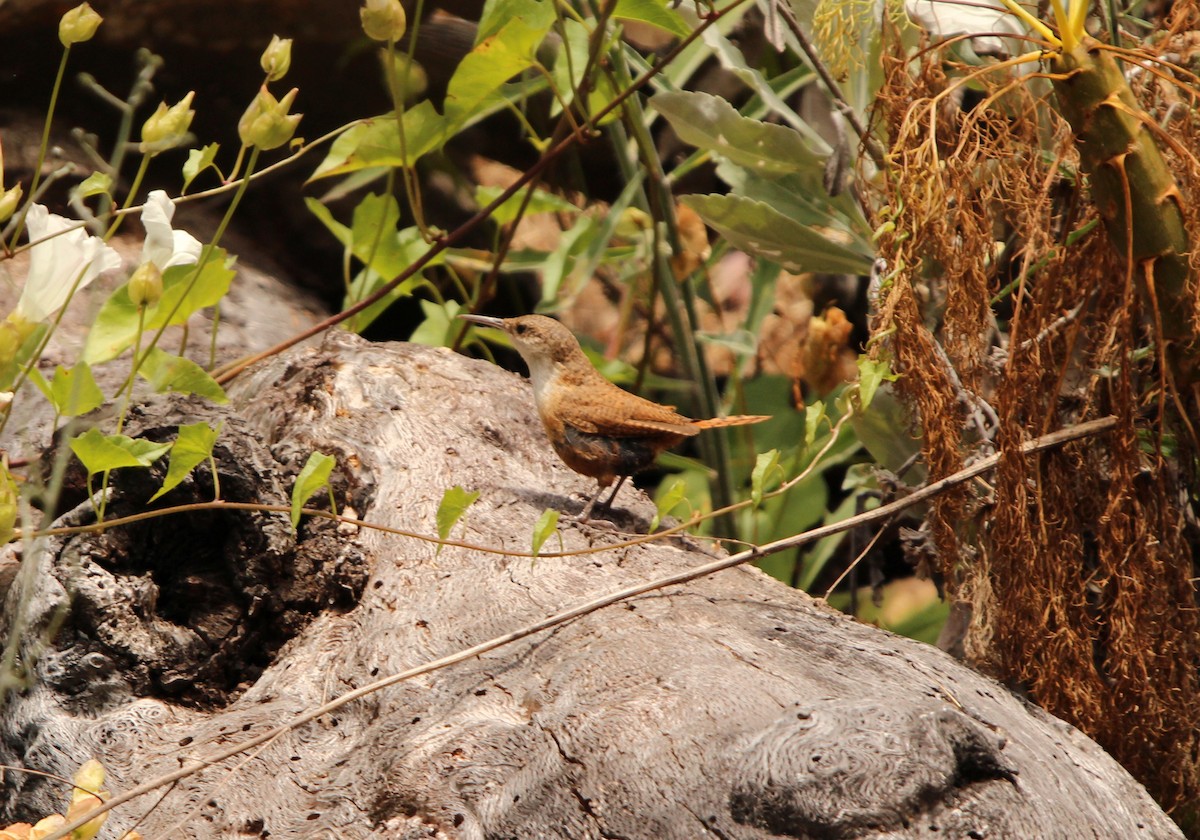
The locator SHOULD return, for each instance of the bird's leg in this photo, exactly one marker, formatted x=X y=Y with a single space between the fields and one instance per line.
x=587 y=509
x=608 y=502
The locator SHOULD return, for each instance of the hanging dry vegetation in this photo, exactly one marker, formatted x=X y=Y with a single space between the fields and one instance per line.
x=1042 y=273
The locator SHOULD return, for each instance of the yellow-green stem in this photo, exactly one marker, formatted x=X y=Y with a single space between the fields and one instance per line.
x=127 y=385
x=45 y=144
x=130 y=196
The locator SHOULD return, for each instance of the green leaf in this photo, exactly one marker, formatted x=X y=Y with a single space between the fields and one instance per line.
x=198 y=160
x=340 y=232
x=814 y=413
x=455 y=502
x=498 y=57
x=376 y=142
x=871 y=374
x=114 y=329
x=410 y=245
x=559 y=264
x=766 y=470
x=98 y=183
x=801 y=196
x=541 y=202
x=312 y=478
x=546 y=525
x=653 y=12
x=667 y=499
x=887 y=430
x=186 y=290
x=571 y=61
x=496 y=13
x=439 y=328
x=733 y=61
x=193 y=446
x=99 y=452
x=709 y=122
x=574 y=260
x=741 y=343
x=165 y=372
x=72 y=392
x=759 y=229
x=374 y=238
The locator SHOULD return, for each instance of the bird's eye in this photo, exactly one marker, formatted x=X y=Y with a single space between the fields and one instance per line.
x=522 y=329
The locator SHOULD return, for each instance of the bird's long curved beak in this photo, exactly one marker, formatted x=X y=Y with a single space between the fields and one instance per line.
x=484 y=320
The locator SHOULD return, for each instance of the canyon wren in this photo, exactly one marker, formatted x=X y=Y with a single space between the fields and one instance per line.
x=596 y=428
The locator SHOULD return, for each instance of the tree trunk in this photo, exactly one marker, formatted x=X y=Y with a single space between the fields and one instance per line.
x=730 y=707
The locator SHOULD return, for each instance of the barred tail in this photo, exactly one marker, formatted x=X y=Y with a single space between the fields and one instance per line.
x=735 y=420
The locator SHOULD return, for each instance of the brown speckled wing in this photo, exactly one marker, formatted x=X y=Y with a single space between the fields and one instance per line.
x=611 y=411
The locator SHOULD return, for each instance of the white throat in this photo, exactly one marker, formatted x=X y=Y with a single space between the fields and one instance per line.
x=542 y=373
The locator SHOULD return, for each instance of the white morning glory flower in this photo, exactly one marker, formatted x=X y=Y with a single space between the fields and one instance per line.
x=166 y=247
x=59 y=263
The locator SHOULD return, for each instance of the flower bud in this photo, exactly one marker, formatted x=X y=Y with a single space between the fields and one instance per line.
x=267 y=123
x=277 y=58
x=19 y=325
x=146 y=285
x=89 y=779
x=10 y=342
x=81 y=805
x=168 y=127
x=633 y=222
x=88 y=794
x=47 y=826
x=411 y=78
x=10 y=199
x=383 y=20
x=78 y=25
x=8 y=506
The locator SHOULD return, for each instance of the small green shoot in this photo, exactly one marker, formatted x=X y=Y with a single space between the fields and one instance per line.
x=766 y=472
x=312 y=478
x=199 y=160
x=72 y=392
x=872 y=374
x=814 y=413
x=99 y=452
x=193 y=446
x=455 y=502
x=98 y=183
x=179 y=375
x=674 y=494
x=546 y=525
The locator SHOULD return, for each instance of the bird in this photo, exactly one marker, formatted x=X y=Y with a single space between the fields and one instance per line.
x=596 y=428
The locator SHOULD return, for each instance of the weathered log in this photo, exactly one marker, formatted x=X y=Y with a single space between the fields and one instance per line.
x=730 y=707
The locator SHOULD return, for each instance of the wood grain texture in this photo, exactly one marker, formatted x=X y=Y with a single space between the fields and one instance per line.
x=731 y=707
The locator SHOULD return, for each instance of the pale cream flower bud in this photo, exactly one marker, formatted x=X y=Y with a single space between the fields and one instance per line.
x=267 y=123
x=47 y=826
x=90 y=776
x=168 y=127
x=78 y=25
x=277 y=58
x=633 y=222
x=10 y=341
x=411 y=78
x=10 y=200
x=146 y=285
x=8 y=504
x=383 y=20
x=88 y=794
